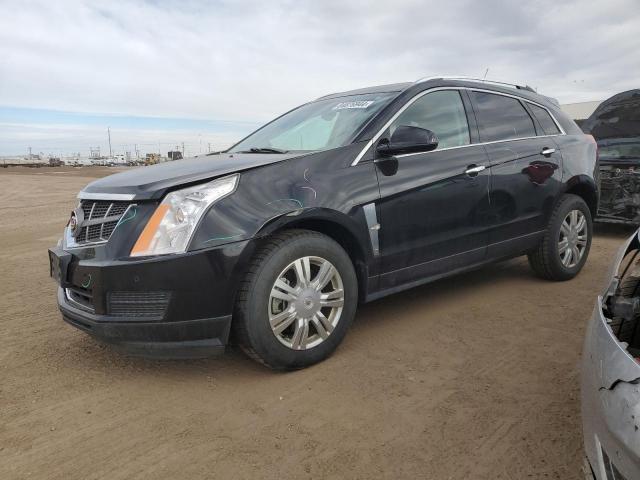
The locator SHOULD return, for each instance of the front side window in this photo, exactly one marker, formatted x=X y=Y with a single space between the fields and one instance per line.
x=502 y=118
x=441 y=112
x=316 y=126
x=549 y=127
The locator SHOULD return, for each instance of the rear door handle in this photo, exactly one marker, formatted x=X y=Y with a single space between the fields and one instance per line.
x=547 y=151
x=474 y=169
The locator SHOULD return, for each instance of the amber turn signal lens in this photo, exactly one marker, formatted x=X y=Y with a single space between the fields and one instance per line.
x=145 y=238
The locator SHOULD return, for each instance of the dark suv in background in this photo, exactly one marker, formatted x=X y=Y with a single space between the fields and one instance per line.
x=345 y=199
x=615 y=125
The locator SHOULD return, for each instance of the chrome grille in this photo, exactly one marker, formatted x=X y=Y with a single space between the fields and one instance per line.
x=100 y=220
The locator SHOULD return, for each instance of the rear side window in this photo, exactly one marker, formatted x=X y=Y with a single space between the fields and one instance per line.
x=549 y=127
x=441 y=112
x=502 y=118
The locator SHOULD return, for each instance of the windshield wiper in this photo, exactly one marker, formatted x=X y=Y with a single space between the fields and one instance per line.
x=265 y=150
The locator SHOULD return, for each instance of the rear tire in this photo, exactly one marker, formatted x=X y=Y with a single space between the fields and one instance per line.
x=297 y=300
x=568 y=237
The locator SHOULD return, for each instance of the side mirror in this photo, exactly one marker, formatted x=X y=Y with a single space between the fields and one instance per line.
x=408 y=139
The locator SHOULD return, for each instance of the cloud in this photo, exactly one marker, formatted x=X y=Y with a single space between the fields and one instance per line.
x=226 y=60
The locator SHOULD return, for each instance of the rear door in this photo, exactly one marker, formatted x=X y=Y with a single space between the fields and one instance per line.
x=433 y=205
x=525 y=171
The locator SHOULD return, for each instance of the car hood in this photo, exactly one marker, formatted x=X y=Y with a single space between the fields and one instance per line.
x=617 y=117
x=153 y=181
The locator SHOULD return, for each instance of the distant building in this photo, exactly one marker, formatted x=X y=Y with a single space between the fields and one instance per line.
x=580 y=111
x=174 y=155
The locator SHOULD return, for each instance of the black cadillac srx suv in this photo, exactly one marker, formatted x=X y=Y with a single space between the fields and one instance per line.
x=345 y=199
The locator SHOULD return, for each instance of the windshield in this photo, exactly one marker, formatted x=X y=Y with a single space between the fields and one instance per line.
x=626 y=149
x=319 y=125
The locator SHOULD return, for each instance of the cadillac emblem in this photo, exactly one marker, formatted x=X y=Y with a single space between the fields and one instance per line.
x=75 y=222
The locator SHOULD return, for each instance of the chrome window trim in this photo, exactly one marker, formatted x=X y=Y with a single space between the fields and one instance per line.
x=522 y=99
x=558 y=126
x=479 y=144
x=82 y=195
x=377 y=136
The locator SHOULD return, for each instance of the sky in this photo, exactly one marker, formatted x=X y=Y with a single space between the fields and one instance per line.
x=163 y=72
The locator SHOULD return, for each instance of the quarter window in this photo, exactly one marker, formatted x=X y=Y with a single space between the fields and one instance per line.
x=502 y=118
x=549 y=127
x=441 y=112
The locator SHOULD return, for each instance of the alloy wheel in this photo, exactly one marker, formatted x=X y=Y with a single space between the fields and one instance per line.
x=306 y=302
x=572 y=241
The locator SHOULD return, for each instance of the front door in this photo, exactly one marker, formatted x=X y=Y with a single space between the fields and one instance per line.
x=433 y=205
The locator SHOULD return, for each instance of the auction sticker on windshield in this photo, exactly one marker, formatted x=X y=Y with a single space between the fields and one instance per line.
x=358 y=104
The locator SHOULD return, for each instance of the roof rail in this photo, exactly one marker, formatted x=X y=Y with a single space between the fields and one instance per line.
x=482 y=80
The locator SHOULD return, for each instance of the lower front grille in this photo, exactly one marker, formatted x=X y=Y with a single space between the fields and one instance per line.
x=138 y=304
x=80 y=298
x=610 y=468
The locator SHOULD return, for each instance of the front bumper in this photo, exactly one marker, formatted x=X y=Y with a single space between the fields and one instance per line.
x=174 y=306
x=610 y=403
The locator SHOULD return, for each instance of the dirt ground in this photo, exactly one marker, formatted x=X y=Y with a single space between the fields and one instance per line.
x=473 y=377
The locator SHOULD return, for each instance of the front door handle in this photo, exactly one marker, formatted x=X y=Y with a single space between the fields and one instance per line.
x=547 y=151
x=473 y=170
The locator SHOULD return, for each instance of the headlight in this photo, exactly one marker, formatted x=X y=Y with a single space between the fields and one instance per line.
x=172 y=224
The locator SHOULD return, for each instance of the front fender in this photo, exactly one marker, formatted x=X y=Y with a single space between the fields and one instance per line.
x=319 y=188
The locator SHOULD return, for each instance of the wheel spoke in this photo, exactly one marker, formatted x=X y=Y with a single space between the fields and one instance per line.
x=566 y=261
x=325 y=321
x=574 y=218
x=287 y=297
x=332 y=299
x=320 y=325
x=565 y=228
x=576 y=254
x=581 y=223
x=286 y=288
x=324 y=276
x=280 y=322
x=582 y=240
x=563 y=245
x=300 y=334
x=303 y=271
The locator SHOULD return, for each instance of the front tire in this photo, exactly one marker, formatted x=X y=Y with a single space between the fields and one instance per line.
x=297 y=300
x=565 y=247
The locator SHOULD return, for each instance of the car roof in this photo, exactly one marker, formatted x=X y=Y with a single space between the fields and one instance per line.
x=390 y=88
x=424 y=84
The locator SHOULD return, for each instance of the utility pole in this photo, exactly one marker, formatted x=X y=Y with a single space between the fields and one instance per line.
x=209 y=147
x=109 y=134
x=183 y=149
x=29 y=153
